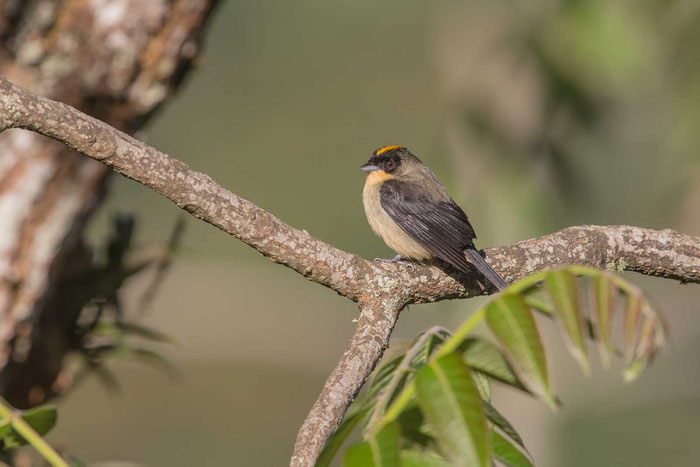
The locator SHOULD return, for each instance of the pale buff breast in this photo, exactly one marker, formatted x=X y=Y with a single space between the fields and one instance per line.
x=383 y=225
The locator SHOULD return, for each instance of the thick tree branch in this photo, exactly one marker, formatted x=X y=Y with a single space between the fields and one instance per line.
x=193 y=191
x=382 y=289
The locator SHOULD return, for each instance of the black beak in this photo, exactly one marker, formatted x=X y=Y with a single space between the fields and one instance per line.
x=369 y=167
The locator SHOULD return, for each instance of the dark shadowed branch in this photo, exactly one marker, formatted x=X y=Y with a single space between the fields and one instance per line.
x=381 y=289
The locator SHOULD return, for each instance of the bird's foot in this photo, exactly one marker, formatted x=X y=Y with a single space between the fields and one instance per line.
x=398 y=259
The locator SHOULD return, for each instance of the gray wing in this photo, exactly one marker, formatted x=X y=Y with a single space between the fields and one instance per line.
x=439 y=226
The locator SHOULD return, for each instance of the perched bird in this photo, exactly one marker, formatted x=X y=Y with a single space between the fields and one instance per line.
x=407 y=206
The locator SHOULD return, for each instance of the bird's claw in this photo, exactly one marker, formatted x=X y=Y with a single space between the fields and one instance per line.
x=398 y=259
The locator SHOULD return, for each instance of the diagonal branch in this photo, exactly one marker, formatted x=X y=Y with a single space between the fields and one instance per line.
x=382 y=289
x=193 y=191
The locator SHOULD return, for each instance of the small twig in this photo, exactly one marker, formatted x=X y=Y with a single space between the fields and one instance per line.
x=162 y=265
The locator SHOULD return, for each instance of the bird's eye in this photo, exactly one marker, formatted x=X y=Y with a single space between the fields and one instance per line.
x=390 y=165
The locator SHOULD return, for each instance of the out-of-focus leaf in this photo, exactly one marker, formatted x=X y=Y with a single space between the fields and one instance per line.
x=381 y=450
x=108 y=380
x=452 y=406
x=383 y=376
x=633 y=311
x=413 y=458
x=482 y=385
x=422 y=349
x=154 y=359
x=41 y=419
x=563 y=290
x=641 y=343
x=501 y=422
x=414 y=358
x=651 y=338
x=511 y=321
x=484 y=357
x=504 y=451
x=412 y=427
x=336 y=440
x=143 y=331
x=542 y=306
x=74 y=462
x=605 y=293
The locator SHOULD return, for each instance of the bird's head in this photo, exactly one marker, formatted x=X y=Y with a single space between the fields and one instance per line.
x=391 y=162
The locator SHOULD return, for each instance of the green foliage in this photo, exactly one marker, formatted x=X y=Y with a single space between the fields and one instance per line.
x=41 y=419
x=431 y=405
x=561 y=286
x=511 y=321
x=507 y=453
x=102 y=328
x=451 y=403
x=18 y=428
x=379 y=450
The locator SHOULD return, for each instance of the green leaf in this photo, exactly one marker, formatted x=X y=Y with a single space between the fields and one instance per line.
x=452 y=406
x=511 y=321
x=650 y=339
x=41 y=419
x=154 y=359
x=336 y=440
x=411 y=424
x=413 y=458
x=383 y=377
x=501 y=422
x=482 y=385
x=392 y=377
x=633 y=311
x=605 y=293
x=484 y=357
x=563 y=290
x=381 y=450
x=424 y=345
x=504 y=451
x=143 y=331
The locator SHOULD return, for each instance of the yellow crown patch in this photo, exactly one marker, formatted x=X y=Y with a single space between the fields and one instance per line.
x=381 y=151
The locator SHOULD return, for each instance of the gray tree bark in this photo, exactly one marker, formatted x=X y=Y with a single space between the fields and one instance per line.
x=118 y=60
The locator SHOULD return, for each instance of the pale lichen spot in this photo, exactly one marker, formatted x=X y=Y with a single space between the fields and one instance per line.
x=109 y=12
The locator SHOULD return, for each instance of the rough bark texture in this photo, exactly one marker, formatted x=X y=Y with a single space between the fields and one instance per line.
x=117 y=60
x=382 y=289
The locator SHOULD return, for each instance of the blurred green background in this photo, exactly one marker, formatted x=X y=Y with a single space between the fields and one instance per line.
x=536 y=115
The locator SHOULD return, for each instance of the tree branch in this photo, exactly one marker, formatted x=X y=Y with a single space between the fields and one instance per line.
x=371 y=338
x=193 y=191
x=382 y=289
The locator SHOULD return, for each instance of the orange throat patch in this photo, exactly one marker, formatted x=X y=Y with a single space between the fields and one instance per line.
x=377 y=176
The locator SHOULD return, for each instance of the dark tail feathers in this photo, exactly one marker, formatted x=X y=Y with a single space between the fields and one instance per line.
x=480 y=263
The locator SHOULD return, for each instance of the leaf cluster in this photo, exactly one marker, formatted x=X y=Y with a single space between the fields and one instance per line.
x=431 y=405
